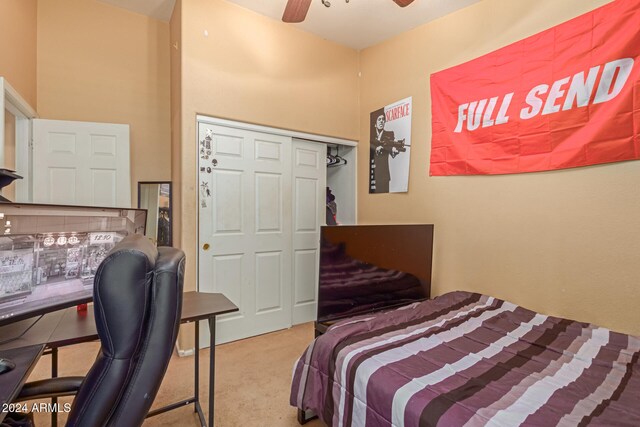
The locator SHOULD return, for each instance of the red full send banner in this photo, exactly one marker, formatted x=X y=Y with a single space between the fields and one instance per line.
x=563 y=98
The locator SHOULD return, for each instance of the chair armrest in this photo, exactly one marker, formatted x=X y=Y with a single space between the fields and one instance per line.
x=52 y=387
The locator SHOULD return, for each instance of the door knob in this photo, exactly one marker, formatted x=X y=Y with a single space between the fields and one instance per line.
x=205 y=246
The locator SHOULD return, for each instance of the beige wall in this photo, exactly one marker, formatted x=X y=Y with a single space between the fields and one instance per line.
x=565 y=242
x=254 y=69
x=101 y=63
x=18 y=32
x=185 y=338
x=176 y=118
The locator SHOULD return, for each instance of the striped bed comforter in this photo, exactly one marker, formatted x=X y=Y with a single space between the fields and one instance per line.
x=465 y=359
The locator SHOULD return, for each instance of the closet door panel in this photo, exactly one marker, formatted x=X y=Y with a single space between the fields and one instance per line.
x=269 y=283
x=226 y=271
x=306 y=213
x=268 y=203
x=305 y=283
x=227 y=186
x=309 y=177
x=245 y=228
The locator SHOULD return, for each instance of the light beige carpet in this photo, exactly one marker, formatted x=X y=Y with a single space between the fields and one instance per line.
x=253 y=379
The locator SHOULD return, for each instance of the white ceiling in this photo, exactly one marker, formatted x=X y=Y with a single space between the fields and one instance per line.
x=358 y=24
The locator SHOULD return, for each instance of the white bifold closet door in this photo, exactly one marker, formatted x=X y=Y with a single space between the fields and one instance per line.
x=246 y=227
x=309 y=204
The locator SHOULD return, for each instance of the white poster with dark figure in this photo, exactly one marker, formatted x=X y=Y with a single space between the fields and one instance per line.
x=390 y=148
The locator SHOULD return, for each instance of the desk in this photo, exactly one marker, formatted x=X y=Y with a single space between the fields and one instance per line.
x=11 y=382
x=67 y=327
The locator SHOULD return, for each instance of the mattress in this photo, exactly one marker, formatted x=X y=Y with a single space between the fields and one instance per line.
x=465 y=359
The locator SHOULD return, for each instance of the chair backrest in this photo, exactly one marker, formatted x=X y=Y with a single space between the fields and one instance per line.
x=137 y=306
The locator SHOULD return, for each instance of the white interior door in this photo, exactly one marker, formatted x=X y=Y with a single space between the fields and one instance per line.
x=309 y=182
x=245 y=228
x=81 y=163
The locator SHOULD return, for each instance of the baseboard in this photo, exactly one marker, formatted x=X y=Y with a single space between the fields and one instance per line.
x=184 y=353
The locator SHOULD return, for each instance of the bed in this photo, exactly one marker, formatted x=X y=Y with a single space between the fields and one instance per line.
x=465 y=359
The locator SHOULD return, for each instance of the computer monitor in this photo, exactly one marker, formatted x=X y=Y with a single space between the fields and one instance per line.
x=49 y=254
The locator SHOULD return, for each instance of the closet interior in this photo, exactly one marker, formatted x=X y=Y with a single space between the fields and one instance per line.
x=341 y=184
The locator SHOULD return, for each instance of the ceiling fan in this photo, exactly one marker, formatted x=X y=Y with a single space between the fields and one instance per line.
x=296 y=10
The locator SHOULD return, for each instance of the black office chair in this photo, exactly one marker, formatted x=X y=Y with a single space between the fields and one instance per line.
x=137 y=305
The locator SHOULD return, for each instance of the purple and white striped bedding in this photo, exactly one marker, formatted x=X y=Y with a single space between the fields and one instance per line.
x=465 y=359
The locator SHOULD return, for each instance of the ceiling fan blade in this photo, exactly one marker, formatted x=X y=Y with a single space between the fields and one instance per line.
x=296 y=11
x=403 y=3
